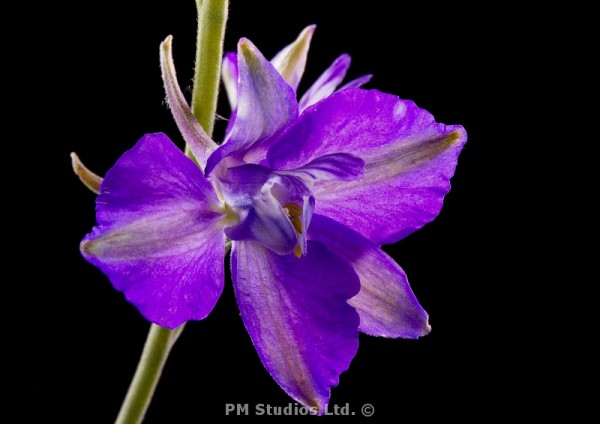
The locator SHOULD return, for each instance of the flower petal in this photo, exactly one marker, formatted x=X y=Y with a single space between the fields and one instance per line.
x=386 y=304
x=159 y=238
x=356 y=83
x=297 y=315
x=409 y=160
x=229 y=76
x=326 y=83
x=266 y=104
x=308 y=207
x=337 y=166
x=291 y=60
x=197 y=140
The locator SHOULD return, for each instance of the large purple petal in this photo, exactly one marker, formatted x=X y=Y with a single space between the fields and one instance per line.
x=297 y=315
x=409 y=160
x=326 y=83
x=266 y=104
x=159 y=237
x=386 y=304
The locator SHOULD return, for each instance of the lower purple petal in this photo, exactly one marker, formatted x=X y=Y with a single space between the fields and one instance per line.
x=386 y=304
x=159 y=238
x=297 y=315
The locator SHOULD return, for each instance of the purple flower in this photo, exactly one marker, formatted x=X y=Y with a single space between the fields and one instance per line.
x=305 y=191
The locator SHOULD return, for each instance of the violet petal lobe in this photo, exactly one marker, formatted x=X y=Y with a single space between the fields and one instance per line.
x=409 y=160
x=386 y=304
x=266 y=104
x=326 y=83
x=356 y=83
x=159 y=237
x=337 y=166
x=297 y=315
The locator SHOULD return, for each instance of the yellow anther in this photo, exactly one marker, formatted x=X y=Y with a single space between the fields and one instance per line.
x=298 y=251
x=294 y=212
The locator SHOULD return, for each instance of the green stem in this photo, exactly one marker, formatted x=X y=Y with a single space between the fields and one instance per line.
x=156 y=350
x=212 y=16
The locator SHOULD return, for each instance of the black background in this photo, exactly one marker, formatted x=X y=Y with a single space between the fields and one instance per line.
x=81 y=340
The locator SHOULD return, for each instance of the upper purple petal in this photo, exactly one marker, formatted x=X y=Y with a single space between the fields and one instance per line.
x=386 y=304
x=291 y=60
x=326 y=83
x=409 y=160
x=357 y=82
x=159 y=237
x=230 y=76
x=297 y=315
x=266 y=104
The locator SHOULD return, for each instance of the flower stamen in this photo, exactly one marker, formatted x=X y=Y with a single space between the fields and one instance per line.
x=294 y=213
